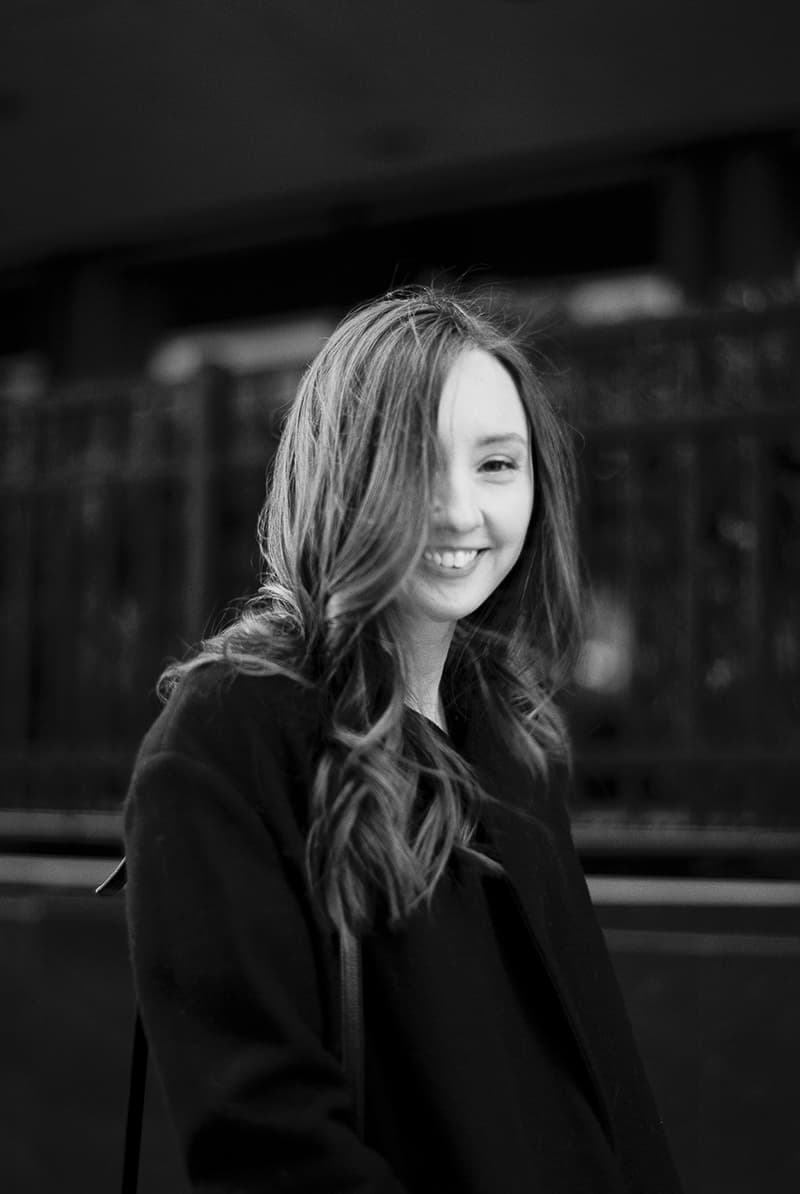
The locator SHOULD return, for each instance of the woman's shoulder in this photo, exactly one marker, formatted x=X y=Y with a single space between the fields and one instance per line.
x=215 y=707
x=228 y=748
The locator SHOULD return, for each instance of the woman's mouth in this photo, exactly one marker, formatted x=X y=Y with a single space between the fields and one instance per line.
x=451 y=561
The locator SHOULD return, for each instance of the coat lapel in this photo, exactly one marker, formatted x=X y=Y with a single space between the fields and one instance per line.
x=532 y=841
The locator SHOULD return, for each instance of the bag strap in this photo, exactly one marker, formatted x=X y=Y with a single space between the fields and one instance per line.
x=350 y=988
x=352 y=1042
x=135 y=1116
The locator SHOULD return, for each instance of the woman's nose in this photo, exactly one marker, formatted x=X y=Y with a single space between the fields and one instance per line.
x=455 y=505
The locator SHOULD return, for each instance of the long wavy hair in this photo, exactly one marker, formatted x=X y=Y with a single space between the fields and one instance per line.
x=343 y=528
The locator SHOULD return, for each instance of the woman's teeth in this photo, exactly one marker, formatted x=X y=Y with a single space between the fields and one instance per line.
x=451 y=559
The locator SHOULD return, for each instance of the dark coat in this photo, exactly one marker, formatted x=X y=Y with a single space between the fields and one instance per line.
x=236 y=967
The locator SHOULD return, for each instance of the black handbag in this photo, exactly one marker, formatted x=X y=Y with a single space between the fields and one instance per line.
x=351 y=1029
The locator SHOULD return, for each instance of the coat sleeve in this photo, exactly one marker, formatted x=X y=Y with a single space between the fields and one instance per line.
x=226 y=967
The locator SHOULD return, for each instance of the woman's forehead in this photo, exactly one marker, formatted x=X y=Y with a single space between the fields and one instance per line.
x=480 y=401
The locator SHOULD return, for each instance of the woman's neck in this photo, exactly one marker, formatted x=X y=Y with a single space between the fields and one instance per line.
x=425 y=651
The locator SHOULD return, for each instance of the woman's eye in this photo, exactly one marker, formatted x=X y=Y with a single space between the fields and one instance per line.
x=498 y=464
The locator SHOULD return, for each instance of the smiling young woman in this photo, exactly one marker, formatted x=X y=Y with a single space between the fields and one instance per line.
x=373 y=748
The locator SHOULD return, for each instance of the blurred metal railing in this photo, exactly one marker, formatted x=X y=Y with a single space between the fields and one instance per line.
x=128 y=526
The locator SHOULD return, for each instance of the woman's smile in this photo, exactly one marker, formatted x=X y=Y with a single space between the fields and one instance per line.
x=452 y=562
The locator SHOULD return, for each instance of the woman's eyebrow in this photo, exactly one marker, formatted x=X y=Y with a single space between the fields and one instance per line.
x=502 y=438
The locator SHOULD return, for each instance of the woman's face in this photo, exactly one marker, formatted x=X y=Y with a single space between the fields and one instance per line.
x=483 y=495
